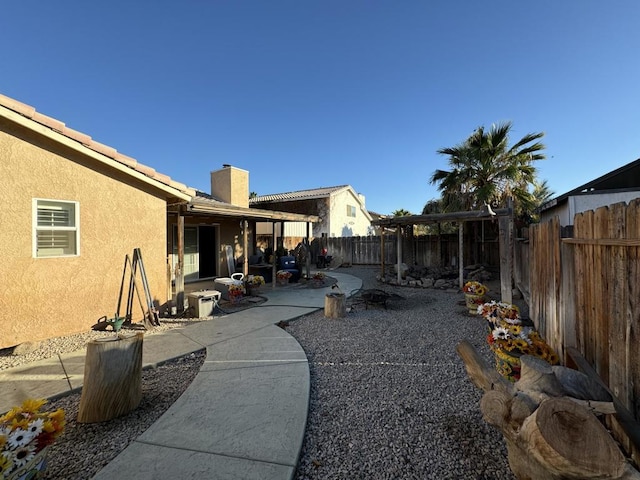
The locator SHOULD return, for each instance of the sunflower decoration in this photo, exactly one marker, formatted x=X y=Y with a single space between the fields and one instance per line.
x=495 y=312
x=474 y=288
x=25 y=432
x=510 y=341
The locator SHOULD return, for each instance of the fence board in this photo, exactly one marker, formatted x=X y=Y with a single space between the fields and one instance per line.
x=600 y=300
x=632 y=313
x=617 y=305
x=587 y=294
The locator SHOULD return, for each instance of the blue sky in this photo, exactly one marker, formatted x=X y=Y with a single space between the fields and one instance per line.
x=307 y=94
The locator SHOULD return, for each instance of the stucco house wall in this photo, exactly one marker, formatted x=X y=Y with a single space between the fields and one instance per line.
x=48 y=297
x=348 y=217
x=575 y=204
x=330 y=204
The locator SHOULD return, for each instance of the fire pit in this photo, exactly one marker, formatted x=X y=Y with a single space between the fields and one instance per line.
x=375 y=296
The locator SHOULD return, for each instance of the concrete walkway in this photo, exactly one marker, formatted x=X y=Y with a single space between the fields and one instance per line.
x=243 y=416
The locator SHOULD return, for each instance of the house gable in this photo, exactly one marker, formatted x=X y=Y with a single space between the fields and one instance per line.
x=118 y=205
x=620 y=185
x=22 y=121
x=330 y=204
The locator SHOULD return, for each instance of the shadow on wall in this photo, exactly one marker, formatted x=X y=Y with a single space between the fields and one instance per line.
x=347 y=231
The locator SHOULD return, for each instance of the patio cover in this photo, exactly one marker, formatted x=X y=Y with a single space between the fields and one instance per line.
x=505 y=219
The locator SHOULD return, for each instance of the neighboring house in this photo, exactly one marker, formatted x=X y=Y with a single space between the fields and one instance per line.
x=620 y=185
x=214 y=221
x=73 y=208
x=341 y=211
x=375 y=217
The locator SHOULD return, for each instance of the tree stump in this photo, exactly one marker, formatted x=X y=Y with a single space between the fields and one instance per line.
x=112 y=378
x=569 y=442
x=335 y=305
x=548 y=437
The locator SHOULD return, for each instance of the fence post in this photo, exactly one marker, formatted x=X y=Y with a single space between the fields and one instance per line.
x=505 y=225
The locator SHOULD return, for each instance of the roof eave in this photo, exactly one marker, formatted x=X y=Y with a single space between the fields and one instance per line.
x=50 y=134
x=225 y=210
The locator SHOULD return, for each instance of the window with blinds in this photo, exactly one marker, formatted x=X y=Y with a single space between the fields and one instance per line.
x=351 y=211
x=55 y=228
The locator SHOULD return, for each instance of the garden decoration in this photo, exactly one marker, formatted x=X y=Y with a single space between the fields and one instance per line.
x=283 y=277
x=474 y=293
x=235 y=293
x=253 y=283
x=318 y=279
x=25 y=435
x=509 y=339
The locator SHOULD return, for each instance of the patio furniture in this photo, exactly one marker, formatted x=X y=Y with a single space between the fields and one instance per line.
x=222 y=283
x=288 y=264
x=204 y=302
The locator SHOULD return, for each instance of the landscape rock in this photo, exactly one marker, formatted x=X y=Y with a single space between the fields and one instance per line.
x=25 y=348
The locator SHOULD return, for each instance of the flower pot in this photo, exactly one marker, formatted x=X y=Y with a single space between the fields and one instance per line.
x=253 y=290
x=33 y=469
x=508 y=364
x=472 y=302
x=235 y=299
x=283 y=281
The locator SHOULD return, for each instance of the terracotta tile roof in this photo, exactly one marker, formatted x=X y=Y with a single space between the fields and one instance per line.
x=297 y=195
x=87 y=141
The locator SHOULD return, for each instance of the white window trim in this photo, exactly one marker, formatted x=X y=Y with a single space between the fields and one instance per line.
x=34 y=229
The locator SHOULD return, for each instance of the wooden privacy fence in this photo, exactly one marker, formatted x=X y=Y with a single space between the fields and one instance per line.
x=585 y=295
x=428 y=250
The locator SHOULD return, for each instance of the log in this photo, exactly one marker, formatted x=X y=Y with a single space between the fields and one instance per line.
x=568 y=442
x=537 y=379
x=112 y=378
x=482 y=376
x=580 y=385
x=335 y=305
x=495 y=406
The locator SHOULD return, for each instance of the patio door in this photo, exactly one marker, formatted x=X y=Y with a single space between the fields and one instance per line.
x=191 y=255
x=199 y=251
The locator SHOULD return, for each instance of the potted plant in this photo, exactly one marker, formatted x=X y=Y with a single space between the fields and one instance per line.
x=318 y=279
x=253 y=283
x=283 y=277
x=235 y=293
x=509 y=339
x=25 y=435
x=474 y=293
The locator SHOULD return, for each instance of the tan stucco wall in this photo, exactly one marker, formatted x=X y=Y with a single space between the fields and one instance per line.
x=48 y=297
x=231 y=185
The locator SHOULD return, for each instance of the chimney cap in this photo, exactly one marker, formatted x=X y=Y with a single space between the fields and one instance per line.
x=226 y=165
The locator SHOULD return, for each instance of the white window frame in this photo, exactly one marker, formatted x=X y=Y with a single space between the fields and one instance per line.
x=351 y=209
x=75 y=228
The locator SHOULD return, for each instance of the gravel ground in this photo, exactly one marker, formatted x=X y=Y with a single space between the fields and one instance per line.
x=390 y=398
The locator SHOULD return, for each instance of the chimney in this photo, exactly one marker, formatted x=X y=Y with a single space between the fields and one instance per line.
x=231 y=185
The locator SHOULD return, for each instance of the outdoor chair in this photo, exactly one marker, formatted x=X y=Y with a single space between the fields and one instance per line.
x=288 y=264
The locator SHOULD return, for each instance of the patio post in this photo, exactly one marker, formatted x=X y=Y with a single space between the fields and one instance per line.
x=461 y=253
x=180 y=269
x=382 y=250
x=399 y=252
x=245 y=246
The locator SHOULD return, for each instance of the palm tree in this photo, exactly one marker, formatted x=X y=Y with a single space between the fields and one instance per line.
x=435 y=205
x=540 y=195
x=401 y=212
x=486 y=170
